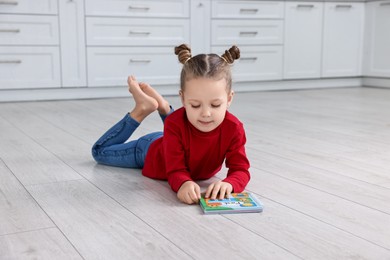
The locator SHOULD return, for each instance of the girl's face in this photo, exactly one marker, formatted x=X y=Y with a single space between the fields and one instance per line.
x=206 y=101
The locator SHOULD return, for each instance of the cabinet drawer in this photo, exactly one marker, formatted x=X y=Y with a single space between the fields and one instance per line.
x=145 y=8
x=256 y=63
x=29 y=6
x=136 y=31
x=111 y=66
x=28 y=30
x=248 y=9
x=247 y=32
x=29 y=67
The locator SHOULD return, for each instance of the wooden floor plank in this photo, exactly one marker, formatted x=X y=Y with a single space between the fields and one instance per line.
x=367 y=172
x=27 y=159
x=363 y=222
x=18 y=210
x=307 y=237
x=44 y=244
x=99 y=227
x=366 y=194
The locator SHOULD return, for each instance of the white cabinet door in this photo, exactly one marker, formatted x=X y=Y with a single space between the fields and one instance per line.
x=377 y=60
x=343 y=37
x=73 y=53
x=200 y=26
x=303 y=38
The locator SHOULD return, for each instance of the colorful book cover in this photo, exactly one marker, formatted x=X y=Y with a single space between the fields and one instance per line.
x=243 y=202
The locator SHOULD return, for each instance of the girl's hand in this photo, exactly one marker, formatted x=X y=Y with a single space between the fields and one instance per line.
x=189 y=192
x=219 y=187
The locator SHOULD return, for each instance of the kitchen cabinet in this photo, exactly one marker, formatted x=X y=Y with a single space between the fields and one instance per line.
x=323 y=40
x=29 y=45
x=257 y=28
x=303 y=40
x=72 y=43
x=200 y=26
x=342 y=46
x=135 y=38
x=87 y=48
x=377 y=50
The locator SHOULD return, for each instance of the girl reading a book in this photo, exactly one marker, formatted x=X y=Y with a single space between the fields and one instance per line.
x=198 y=137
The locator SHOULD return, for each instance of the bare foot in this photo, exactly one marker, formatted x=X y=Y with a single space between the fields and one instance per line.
x=144 y=104
x=163 y=105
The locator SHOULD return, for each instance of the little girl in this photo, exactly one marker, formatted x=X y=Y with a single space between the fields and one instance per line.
x=197 y=138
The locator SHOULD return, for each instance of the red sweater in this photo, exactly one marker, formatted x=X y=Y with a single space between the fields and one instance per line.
x=185 y=153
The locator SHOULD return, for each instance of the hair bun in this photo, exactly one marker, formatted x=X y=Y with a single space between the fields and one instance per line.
x=183 y=52
x=232 y=54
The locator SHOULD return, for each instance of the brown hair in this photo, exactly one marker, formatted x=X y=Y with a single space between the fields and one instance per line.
x=206 y=65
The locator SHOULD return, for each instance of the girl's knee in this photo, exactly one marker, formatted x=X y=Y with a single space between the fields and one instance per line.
x=100 y=158
x=95 y=151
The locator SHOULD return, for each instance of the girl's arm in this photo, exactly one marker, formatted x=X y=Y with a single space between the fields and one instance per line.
x=237 y=162
x=174 y=154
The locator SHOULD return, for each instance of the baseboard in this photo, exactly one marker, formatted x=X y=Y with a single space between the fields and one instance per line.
x=376 y=82
x=74 y=93
x=121 y=91
x=298 y=84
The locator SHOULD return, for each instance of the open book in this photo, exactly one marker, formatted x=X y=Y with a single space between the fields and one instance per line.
x=243 y=202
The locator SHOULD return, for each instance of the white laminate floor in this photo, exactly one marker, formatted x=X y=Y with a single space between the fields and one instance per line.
x=320 y=163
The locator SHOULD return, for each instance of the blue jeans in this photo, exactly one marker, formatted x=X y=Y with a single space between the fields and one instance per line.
x=112 y=150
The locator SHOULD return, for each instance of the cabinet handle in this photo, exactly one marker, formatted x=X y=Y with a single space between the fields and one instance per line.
x=248 y=33
x=247 y=10
x=9 y=30
x=139 y=60
x=305 y=6
x=141 y=8
x=383 y=4
x=248 y=58
x=8 y=3
x=10 y=61
x=139 y=32
x=343 y=6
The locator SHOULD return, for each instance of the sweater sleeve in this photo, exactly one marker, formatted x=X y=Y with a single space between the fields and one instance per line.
x=174 y=156
x=237 y=162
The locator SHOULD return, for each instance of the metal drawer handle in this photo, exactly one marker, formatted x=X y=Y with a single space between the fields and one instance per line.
x=248 y=58
x=140 y=60
x=142 y=8
x=248 y=33
x=343 y=6
x=248 y=10
x=8 y=3
x=386 y=3
x=10 y=61
x=139 y=32
x=305 y=6
x=10 y=30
